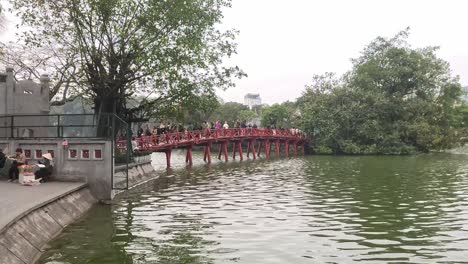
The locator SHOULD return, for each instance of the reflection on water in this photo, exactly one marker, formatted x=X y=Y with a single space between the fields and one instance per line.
x=304 y=210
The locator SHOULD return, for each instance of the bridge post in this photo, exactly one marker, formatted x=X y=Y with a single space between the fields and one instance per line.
x=239 y=144
x=267 y=148
x=168 y=157
x=248 y=149
x=207 y=152
x=188 y=157
x=204 y=154
x=220 y=150
x=259 y=148
x=278 y=147
x=225 y=151
x=252 y=145
x=234 y=149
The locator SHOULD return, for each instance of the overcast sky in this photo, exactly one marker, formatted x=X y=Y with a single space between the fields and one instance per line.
x=283 y=43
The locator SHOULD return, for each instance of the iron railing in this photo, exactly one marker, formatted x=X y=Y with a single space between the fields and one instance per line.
x=58 y=126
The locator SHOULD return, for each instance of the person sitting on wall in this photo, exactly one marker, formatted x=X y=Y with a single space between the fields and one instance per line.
x=2 y=159
x=45 y=168
x=18 y=160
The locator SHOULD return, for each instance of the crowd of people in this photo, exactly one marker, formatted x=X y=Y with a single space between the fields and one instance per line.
x=218 y=125
x=164 y=128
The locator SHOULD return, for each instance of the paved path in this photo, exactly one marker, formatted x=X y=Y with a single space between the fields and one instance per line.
x=17 y=200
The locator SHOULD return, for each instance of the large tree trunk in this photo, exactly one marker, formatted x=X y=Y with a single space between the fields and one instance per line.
x=104 y=108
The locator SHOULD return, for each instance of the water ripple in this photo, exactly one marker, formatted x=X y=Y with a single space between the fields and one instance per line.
x=304 y=210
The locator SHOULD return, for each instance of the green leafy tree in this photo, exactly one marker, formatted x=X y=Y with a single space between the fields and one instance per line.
x=276 y=116
x=284 y=115
x=395 y=100
x=167 y=51
x=247 y=115
x=229 y=112
x=192 y=115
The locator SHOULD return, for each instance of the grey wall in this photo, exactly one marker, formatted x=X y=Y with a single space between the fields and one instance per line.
x=23 y=97
x=95 y=171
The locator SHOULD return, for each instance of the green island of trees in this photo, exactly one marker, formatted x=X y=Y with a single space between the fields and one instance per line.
x=395 y=100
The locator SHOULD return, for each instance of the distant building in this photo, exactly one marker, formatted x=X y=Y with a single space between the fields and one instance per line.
x=252 y=100
x=23 y=98
x=465 y=95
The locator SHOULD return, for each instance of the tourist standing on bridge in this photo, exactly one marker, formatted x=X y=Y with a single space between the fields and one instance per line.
x=140 y=131
x=226 y=126
x=292 y=130
x=162 y=127
x=218 y=125
x=243 y=126
x=147 y=131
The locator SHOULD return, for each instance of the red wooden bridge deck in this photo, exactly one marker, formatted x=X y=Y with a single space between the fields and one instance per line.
x=258 y=140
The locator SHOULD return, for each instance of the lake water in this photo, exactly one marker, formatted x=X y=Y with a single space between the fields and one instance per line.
x=313 y=209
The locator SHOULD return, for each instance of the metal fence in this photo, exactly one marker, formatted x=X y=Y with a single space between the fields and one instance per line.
x=58 y=126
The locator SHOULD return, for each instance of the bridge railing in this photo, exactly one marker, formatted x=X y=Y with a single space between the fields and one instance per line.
x=199 y=136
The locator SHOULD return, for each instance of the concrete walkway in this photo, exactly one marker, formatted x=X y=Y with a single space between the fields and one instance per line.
x=17 y=201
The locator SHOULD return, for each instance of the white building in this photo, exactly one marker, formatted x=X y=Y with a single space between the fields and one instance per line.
x=465 y=95
x=252 y=100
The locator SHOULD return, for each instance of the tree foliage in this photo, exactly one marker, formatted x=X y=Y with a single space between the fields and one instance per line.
x=215 y=110
x=169 y=52
x=395 y=100
x=229 y=111
x=285 y=115
x=247 y=116
x=275 y=116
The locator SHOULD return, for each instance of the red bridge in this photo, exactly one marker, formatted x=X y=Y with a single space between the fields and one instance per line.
x=258 y=140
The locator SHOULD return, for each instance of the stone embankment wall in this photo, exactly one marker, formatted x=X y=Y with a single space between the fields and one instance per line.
x=137 y=172
x=23 y=240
